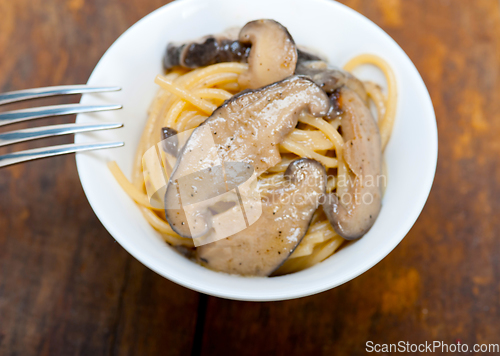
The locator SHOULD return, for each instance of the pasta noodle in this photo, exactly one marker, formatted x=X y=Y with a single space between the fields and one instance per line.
x=185 y=100
x=386 y=122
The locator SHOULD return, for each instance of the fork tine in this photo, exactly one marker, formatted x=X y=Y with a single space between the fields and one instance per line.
x=10 y=117
x=27 y=94
x=12 y=137
x=37 y=153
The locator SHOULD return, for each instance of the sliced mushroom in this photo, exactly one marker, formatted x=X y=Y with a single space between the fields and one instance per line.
x=169 y=140
x=215 y=49
x=247 y=128
x=223 y=47
x=331 y=79
x=306 y=55
x=353 y=213
x=266 y=45
x=335 y=99
x=287 y=208
x=273 y=55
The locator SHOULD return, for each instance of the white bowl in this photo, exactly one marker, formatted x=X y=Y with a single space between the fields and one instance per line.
x=340 y=33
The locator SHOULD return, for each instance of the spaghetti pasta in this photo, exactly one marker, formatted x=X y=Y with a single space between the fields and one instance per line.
x=386 y=122
x=185 y=100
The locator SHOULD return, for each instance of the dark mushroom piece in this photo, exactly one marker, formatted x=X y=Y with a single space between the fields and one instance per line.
x=170 y=142
x=287 y=209
x=205 y=51
x=306 y=56
x=215 y=49
x=266 y=45
x=358 y=207
x=331 y=79
x=273 y=55
x=247 y=128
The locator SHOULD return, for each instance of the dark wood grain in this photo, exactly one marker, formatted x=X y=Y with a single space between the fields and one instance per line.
x=66 y=288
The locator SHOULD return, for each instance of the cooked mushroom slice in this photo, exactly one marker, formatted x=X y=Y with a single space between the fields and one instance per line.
x=224 y=47
x=330 y=78
x=169 y=140
x=205 y=51
x=305 y=55
x=287 y=208
x=247 y=128
x=360 y=194
x=273 y=55
x=336 y=108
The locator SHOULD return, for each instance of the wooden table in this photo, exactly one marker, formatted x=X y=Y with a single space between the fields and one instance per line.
x=67 y=288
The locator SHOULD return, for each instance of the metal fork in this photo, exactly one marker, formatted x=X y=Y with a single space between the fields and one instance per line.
x=10 y=117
